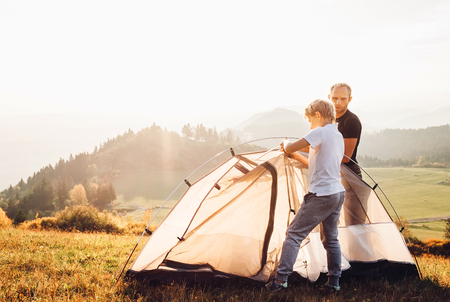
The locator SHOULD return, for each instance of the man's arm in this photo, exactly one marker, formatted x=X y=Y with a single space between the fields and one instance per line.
x=349 y=145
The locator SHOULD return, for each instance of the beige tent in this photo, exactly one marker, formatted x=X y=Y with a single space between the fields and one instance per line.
x=232 y=223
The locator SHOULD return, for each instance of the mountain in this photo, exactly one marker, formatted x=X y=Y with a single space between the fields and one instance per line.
x=279 y=122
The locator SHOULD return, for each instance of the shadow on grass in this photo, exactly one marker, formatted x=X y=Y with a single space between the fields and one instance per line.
x=240 y=289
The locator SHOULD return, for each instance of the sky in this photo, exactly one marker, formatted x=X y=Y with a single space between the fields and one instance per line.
x=177 y=58
x=173 y=62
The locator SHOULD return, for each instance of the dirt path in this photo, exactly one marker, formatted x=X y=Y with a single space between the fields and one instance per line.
x=428 y=219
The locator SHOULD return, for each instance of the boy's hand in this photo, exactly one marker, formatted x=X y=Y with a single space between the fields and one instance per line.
x=283 y=144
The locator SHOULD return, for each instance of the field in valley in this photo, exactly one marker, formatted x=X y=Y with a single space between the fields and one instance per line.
x=419 y=195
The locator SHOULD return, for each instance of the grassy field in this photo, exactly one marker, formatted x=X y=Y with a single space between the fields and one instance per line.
x=417 y=194
x=148 y=190
x=426 y=230
x=58 y=266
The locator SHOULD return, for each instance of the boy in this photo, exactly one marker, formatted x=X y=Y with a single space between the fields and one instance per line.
x=326 y=195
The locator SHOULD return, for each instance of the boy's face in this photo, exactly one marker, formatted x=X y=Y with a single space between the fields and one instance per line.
x=340 y=98
x=315 y=121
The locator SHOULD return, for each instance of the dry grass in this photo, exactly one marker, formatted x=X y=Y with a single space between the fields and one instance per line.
x=4 y=220
x=57 y=266
x=62 y=266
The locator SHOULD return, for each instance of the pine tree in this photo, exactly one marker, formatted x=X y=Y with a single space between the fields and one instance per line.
x=447 y=229
x=105 y=195
x=62 y=194
x=187 y=131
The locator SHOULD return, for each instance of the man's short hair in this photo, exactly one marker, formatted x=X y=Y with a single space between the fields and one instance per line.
x=342 y=85
x=324 y=107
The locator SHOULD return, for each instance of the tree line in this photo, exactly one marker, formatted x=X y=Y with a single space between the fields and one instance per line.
x=428 y=147
x=201 y=133
x=87 y=178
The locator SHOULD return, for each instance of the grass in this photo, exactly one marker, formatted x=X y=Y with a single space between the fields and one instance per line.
x=415 y=192
x=58 y=266
x=136 y=207
x=138 y=191
x=426 y=230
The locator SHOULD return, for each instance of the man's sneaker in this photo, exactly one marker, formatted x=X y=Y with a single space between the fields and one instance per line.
x=275 y=286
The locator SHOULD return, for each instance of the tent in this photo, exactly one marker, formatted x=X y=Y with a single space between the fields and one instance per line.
x=232 y=223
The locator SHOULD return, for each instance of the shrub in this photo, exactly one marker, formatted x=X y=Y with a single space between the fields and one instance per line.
x=31 y=224
x=87 y=218
x=4 y=220
x=438 y=247
x=19 y=217
x=49 y=223
x=447 y=229
x=46 y=223
x=137 y=228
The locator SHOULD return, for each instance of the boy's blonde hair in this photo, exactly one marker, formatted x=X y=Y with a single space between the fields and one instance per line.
x=324 y=107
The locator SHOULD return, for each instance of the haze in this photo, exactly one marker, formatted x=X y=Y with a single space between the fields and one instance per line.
x=75 y=73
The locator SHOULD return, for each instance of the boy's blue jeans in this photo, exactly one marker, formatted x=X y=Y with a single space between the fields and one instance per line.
x=314 y=210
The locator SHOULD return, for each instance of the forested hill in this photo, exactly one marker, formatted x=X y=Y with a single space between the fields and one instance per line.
x=87 y=178
x=397 y=147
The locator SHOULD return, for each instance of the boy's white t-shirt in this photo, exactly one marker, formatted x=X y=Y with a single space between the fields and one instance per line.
x=325 y=155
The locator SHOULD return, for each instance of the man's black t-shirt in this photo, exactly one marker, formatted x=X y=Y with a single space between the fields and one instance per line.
x=350 y=126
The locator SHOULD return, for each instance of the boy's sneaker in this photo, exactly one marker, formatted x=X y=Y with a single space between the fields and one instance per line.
x=331 y=288
x=274 y=286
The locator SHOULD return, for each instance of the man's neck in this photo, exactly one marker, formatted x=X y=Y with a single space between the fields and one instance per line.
x=338 y=116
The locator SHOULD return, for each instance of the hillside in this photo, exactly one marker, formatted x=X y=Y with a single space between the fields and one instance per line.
x=392 y=147
x=407 y=146
x=142 y=160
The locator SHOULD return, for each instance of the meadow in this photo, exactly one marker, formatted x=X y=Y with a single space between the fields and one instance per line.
x=419 y=195
x=64 y=266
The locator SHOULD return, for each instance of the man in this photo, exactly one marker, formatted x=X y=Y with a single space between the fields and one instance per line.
x=348 y=123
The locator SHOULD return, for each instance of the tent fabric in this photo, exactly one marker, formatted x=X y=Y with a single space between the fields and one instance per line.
x=233 y=221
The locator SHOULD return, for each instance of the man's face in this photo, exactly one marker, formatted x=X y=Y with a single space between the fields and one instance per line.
x=340 y=98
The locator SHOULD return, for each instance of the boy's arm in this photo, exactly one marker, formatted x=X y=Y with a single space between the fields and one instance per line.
x=299 y=157
x=291 y=148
